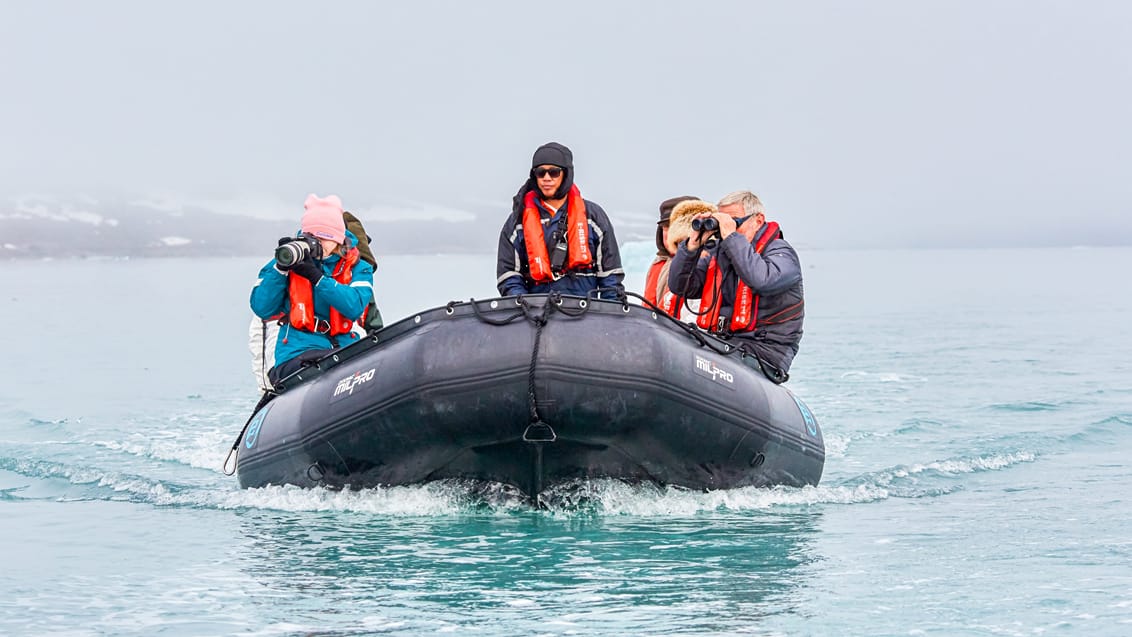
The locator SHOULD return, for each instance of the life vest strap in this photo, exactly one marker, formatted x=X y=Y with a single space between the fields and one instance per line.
x=321 y=326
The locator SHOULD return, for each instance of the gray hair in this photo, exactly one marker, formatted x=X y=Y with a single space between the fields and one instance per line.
x=750 y=201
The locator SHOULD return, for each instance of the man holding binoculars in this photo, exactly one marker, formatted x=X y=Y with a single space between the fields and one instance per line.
x=748 y=280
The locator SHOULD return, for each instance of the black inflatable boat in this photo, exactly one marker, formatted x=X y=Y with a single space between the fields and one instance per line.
x=533 y=391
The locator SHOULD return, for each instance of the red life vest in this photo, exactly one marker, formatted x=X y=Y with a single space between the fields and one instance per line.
x=669 y=302
x=301 y=293
x=745 y=310
x=577 y=236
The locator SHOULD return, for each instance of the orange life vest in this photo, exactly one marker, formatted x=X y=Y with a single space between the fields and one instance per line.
x=669 y=302
x=301 y=293
x=577 y=236
x=745 y=310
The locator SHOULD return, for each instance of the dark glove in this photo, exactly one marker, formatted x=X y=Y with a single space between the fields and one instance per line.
x=283 y=240
x=309 y=270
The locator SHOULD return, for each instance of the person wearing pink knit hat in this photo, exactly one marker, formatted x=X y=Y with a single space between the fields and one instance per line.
x=323 y=218
x=318 y=285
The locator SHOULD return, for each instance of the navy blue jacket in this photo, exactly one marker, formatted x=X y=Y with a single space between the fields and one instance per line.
x=513 y=269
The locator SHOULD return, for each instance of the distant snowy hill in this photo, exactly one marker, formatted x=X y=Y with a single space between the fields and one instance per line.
x=52 y=227
x=42 y=227
x=39 y=227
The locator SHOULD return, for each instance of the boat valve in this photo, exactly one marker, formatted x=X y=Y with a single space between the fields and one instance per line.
x=315 y=473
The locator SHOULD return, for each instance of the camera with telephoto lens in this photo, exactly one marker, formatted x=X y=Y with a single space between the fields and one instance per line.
x=290 y=253
x=705 y=224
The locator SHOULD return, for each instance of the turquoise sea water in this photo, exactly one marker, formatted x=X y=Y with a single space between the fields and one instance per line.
x=976 y=406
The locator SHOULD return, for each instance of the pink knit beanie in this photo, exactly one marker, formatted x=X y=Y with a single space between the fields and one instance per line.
x=323 y=218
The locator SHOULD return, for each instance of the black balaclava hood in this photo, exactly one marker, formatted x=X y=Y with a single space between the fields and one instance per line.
x=554 y=154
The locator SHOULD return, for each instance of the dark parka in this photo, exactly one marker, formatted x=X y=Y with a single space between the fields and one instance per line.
x=513 y=269
x=775 y=276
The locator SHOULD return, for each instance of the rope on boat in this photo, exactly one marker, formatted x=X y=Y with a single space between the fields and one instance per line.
x=234 y=453
x=772 y=373
x=554 y=303
x=539 y=318
x=540 y=322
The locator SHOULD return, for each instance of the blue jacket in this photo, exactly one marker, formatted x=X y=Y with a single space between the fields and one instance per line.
x=513 y=269
x=775 y=275
x=270 y=297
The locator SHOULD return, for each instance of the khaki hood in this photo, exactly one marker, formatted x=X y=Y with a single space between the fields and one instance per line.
x=680 y=223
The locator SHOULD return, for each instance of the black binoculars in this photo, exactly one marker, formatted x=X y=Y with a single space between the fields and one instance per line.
x=705 y=224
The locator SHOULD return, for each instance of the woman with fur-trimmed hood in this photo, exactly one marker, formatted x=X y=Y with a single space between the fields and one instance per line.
x=675 y=226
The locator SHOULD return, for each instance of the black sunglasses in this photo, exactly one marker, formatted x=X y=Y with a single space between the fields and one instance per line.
x=554 y=173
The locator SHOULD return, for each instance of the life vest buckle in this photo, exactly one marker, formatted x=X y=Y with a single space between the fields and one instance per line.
x=321 y=326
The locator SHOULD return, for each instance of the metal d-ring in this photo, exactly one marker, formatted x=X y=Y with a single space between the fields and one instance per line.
x=539 y=432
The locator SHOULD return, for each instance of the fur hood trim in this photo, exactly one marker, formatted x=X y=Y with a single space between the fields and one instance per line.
x=680 y=223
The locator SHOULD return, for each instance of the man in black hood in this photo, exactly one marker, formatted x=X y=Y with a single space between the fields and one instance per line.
x=554 y=240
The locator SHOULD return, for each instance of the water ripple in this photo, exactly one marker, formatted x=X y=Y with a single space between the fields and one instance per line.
x=1024 y=406
x=922 y=479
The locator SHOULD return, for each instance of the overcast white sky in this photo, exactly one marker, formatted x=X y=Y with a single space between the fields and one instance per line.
x=989 y=121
